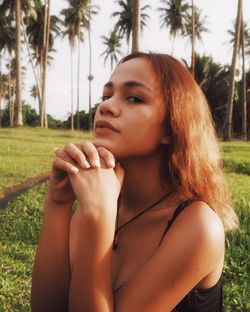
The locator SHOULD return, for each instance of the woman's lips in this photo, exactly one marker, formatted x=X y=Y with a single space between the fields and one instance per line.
x=101 y=124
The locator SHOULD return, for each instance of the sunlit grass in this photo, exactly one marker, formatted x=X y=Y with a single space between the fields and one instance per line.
x=27 y=152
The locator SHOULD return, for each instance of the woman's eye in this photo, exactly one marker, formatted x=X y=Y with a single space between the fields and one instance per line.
x=134 y=99
x=105 y=97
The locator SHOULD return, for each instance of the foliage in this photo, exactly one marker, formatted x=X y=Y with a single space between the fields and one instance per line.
x=199 y=22
x=124 y=23
x=173 y=17
x=113 y=45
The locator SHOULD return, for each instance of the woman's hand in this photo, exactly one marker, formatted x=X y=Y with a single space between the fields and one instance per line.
x=98 y=182
x=68 y=161
x=97 y=189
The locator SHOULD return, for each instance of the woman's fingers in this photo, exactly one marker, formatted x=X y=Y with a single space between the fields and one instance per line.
x=91 y=153
x=76 y=154
x=60 y=153
x=86 y=155
x=63 y=165
x=107 y=156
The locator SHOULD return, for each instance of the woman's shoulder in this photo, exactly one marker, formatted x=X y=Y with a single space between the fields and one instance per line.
x=199 y=227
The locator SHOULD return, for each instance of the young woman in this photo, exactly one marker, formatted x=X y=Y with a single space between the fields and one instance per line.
x=148 y=232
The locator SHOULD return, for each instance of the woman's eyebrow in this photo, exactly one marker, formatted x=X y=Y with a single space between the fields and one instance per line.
x=134 y=84
x=128 y=84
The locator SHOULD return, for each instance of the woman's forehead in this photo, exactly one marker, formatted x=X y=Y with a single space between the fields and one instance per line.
x=136 y=69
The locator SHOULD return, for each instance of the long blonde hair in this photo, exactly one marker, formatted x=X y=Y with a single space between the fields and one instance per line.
x=193 y=163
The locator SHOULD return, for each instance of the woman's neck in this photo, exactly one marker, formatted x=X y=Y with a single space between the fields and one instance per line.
x=142 y=183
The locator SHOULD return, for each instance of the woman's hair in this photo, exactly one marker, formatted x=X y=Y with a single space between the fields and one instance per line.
x=193 y=163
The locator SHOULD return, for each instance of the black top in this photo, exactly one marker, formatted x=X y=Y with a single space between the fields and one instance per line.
x=198 y=299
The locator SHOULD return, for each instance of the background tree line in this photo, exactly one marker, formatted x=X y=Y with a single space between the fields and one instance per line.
x=29 y=25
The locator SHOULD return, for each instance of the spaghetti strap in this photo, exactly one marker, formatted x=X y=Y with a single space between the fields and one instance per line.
x=177 y=211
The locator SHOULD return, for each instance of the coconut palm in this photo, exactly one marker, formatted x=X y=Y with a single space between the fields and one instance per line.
x=70 y=32
x=244 y=88
x=241 y=53
x=13 y=10
x=92 y=10
x=195 y=27
x=18 y=116
x=78 y=19
x=136 y=26
x=42 y=44
x=173 y=17
x=228 y=122
x=112 y=50
x=124 y=25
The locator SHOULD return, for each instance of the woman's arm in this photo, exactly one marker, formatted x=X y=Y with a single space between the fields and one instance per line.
x=91 y=262
x=51 y=272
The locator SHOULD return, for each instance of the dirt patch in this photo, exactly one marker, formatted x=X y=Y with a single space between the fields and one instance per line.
x=15 y=191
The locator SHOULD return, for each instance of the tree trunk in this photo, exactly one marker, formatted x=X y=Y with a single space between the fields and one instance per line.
x=90 y=77
x=18 y=117
x=172 y=50
x=227 y=136
x=10 y=89
x=32 y=64
x=78 y=86
x=111 y=63
x=136 y=25
x=193 y=41
x=243 y=85
x=72 y=90
x=1 y=89
x=41 y=118
x=45 y=57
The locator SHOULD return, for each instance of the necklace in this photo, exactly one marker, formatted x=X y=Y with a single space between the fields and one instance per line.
x=115 y=244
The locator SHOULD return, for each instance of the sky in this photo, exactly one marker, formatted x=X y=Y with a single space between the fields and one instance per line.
x=220 y=16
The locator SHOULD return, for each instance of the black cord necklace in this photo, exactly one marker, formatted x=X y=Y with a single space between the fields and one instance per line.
x=115 y=244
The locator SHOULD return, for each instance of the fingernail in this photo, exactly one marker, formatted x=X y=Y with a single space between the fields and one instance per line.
x=55 y=149
x=97 y=163
x=74 y=169
x=86 y=164
x=111 y=162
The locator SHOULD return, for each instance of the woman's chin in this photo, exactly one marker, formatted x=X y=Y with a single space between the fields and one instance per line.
x=99 y=142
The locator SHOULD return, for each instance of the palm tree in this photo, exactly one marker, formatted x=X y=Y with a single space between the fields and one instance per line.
x=244 y=84
x=77 y=13
x=41 y=40
x=173 y=17
x=18 y=116
x=228 y=122
x=244 y=35
x=112 y=50
x=13 y=10
x=71 y=33
x=195 y=27
x=193 y=40
x=136 y=26
x=125 y=17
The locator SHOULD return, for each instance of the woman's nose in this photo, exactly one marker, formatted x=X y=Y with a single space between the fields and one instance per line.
x=108 y=107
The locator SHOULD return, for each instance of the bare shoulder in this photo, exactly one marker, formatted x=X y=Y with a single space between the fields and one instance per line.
x=190 y=251
x=199 y=224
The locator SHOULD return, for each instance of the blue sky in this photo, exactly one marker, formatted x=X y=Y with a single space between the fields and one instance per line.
x=220 y=15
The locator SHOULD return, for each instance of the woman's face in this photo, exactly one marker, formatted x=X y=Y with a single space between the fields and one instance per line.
x=129 y=121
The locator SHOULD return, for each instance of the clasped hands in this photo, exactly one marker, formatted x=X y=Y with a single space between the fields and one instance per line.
x=87 y=174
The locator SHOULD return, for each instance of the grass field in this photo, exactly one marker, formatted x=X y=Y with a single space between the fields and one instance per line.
x=20 y=221
x=25 y=153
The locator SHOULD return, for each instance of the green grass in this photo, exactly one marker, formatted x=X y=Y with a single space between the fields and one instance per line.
x=20 y=224
x=27 y=152
x=236 y=156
